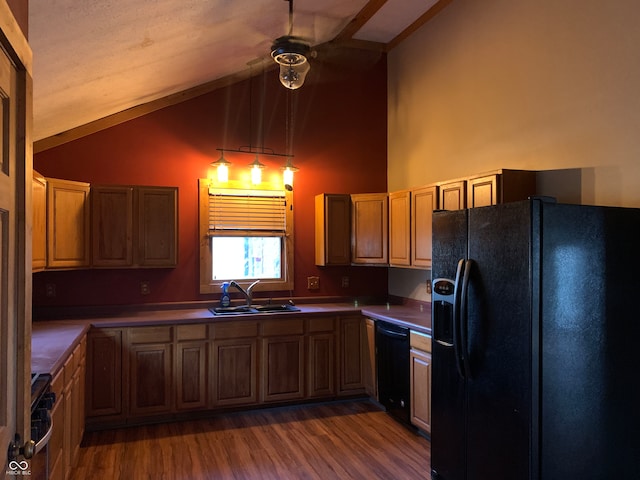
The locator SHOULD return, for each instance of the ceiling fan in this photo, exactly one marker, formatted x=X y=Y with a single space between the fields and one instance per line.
x=292 y=54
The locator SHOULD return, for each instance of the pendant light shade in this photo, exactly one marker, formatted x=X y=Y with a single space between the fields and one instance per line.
x=292 y=55
x=222 y=166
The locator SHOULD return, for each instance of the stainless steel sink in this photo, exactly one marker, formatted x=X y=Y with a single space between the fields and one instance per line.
x=253 y=309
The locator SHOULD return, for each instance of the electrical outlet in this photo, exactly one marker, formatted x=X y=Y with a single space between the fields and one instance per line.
x=429 y=286
x=313 y=283
x=145 y=288
x=345 y=282
x=50 y=289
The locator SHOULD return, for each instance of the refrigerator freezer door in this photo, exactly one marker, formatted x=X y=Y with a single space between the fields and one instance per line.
x=448 y=388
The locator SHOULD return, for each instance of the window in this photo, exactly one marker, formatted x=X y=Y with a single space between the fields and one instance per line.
x=246 y=234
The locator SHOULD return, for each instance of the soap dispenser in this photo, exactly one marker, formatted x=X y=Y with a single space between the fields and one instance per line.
x=225 y=301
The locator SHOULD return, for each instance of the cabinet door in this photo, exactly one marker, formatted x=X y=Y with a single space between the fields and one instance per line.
x=371 y=374
x=77 y=394
x=500 y=187
x=150 y=377
x=282 y=368
x=56 y=442
x=483 y=191
x=39 y=238
x=234 y=365
x=369 y=230
x=332 y=229
x=104 y=373
x=191 y=375
x=453 y=195
x=400 y=228
x=423 y=202
x=321 y=365
x=352 y=370
x=420 y=389
x=157 y=220
x=67 y=223
x=112 y=226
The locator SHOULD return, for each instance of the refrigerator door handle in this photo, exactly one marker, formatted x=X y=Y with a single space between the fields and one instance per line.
x=464 y=319
x=457 y=302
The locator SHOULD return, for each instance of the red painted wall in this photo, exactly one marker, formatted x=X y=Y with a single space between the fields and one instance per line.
x=339 y=143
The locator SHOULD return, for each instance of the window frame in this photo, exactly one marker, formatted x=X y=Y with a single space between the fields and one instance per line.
x=207 y=283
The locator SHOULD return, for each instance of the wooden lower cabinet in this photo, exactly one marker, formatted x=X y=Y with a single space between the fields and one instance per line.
x=321 y=365
x=57 y=467
x=282 y=368
x=352 y=364
x=321 y=355
x=371 y=373
x=234 y=366
x=191 y=367
x=420 y=374
x=151 y=373
x=282 y=365
x=68 y=415
x=191 y=375
x=150 y=370
x=104 y=374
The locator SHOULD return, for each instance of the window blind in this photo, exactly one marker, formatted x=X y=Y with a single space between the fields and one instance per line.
x=252 y=210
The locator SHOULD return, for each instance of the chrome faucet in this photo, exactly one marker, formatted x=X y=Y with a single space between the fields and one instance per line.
x=248 y=293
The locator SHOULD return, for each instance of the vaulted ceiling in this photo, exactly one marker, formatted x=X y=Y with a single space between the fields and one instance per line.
x=96 y=60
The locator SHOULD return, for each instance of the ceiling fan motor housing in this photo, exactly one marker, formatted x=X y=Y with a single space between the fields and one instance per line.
x=289 y=50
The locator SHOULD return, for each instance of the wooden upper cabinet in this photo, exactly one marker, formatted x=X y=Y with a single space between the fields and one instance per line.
x=423 y=202
x=332 y=229
x=39 y=236
x=67 y=223
x=157 y=220
x=483 y=191
x=453 y=195
x=500 y=187
x=112 y=226
x=369 y=228
x=400 y=228
x=134 y=226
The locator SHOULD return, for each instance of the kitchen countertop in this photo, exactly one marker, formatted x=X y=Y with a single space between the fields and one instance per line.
x=52 y=341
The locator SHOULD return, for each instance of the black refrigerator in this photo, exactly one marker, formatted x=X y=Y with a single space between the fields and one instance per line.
x=536 y=343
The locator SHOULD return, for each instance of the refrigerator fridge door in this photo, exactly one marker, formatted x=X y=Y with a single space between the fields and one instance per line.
x=590 y=392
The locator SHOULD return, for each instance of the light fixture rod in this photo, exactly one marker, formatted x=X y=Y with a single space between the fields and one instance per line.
x=248 y=149
x=290 y=17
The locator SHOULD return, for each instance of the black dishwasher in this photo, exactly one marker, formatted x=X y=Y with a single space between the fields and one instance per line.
x=392 y=359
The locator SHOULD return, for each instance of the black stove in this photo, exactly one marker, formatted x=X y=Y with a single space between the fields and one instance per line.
x=42 y=400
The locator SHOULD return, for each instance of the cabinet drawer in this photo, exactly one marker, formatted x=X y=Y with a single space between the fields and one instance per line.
x=235 y=329
x=57 y=384
x=321 y=325
x=150 y=334
x=420 y=341
x=282 y=327
x=69 y=369
x=191 y=332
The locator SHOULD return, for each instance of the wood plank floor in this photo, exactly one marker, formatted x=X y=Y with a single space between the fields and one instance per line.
x=339 y=440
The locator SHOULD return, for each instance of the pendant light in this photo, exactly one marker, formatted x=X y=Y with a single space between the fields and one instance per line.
x=222 y=167
x=292 y=54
